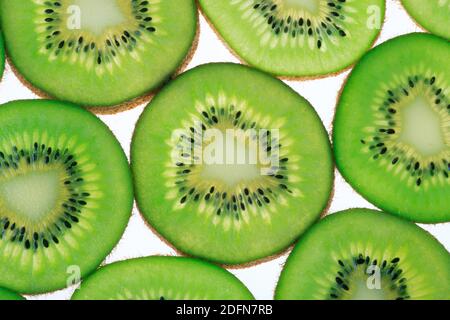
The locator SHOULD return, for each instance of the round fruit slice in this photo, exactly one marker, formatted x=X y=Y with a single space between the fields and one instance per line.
x=65 y=194
x=230 y=164
x=162 y=278
x=2 y=56
x=98 y=53
x=433 y=15
x=6 y=294
x=361 y=254
x=297 y=38
x=392 y=128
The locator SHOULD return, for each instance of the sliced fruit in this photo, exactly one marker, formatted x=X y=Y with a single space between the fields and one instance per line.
x=65 y=194
x=98 y=53
x=162 y=278
x=297 y=38
x=392 y=128
x=362 y=254
x=230 y=164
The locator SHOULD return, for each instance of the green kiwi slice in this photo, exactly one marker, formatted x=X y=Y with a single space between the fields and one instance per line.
x=65 y=194
x=162 y=278
x=433 y=15
x=2 y=56
x=297 y=38
x=98 y=53
x=361 y=254
x=6 y=294
x=392 y=128
x=237 y=207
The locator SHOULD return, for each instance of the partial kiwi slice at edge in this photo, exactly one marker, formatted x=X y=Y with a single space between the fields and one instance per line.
x=392 y=128
x=230 y=164
x=433 y=15
x=361 y=254
x=65 y=194
x=99 y=53
x=162 y=278
x=292 y=38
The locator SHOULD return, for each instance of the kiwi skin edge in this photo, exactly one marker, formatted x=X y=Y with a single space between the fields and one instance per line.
x=250 y=264
x=127 y=105
x=338 y=98
x=286 y=78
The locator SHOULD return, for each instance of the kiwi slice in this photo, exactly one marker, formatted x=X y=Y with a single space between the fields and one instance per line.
x=392 y=128
x=6 y=294
x=98 y=53
x=65 y=194
x=361 y=254
x=297 y=38
x=162 y=278
x=2 y=56
x=236 y=207
x=433 y=15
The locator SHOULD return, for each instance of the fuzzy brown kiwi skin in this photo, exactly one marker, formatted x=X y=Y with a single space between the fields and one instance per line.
x=286 y=78
x=128 y=105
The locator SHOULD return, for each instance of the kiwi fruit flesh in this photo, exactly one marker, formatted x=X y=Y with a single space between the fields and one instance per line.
x=227 y=209
x=6 y=294
x=65 y=194
x=2 y=56
x=98 y=53
x=361 y=254
x=433 y=15
x=297 y=38
x=392 y=128
x=162 y=278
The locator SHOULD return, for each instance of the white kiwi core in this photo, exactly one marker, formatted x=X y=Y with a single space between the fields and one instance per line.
x=231 y=159
x=421 y=127
x=31 y=195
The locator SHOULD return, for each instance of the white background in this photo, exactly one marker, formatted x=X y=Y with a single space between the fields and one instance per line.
x=139 y=241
